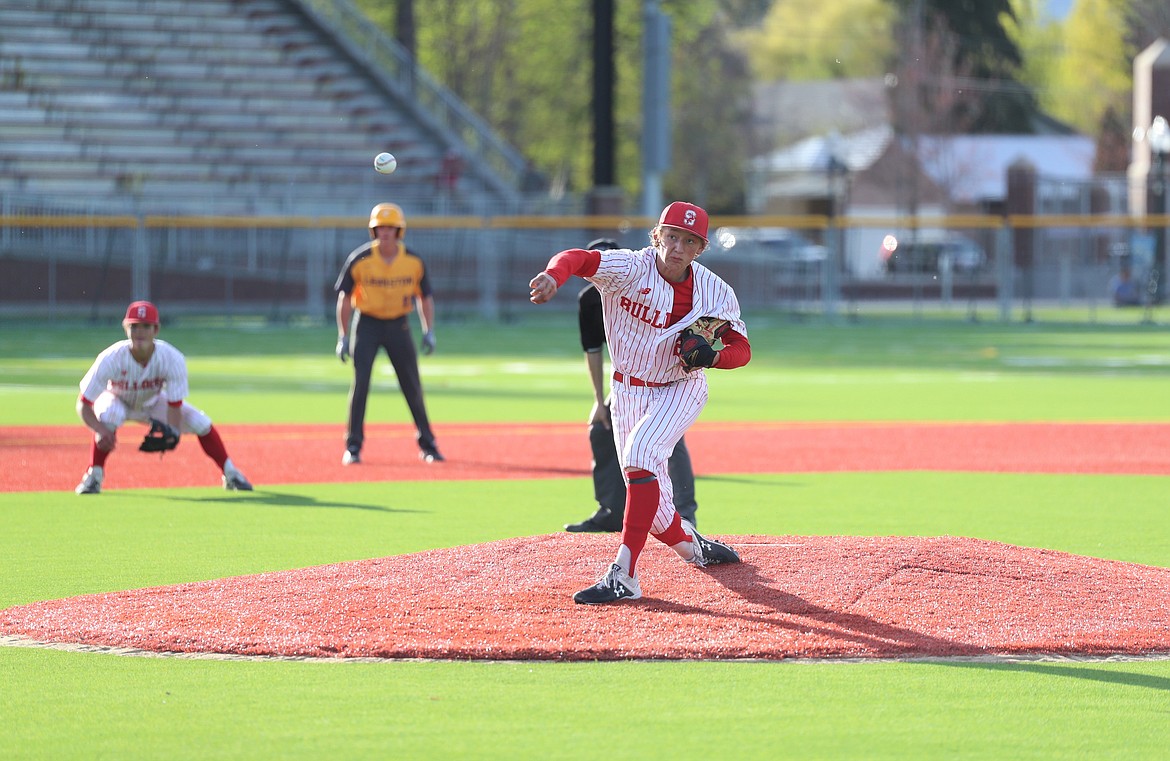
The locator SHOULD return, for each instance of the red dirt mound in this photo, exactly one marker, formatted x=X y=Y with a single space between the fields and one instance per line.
x=826 y=597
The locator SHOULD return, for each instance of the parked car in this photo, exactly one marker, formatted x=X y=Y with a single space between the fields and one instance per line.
x=924 y=256
x=778 y=243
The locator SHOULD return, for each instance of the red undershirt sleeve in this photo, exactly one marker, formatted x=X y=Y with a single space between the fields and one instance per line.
x=575 y=261
x=736 y=351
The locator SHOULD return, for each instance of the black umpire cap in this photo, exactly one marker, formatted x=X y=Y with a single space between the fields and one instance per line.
x=601 y=244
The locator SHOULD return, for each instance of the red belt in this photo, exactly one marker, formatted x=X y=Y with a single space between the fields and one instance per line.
x=630 y=380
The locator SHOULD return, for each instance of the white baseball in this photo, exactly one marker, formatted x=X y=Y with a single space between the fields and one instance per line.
x=385 y=163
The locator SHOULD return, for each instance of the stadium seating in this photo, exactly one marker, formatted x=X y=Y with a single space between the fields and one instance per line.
x=216 y=106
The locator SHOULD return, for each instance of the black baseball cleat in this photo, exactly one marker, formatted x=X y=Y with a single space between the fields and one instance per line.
x=596 y=524
x=711 y=552
x=431 y=455
x=614 y=586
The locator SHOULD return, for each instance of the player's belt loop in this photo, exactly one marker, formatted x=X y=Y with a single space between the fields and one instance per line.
x=632 y=381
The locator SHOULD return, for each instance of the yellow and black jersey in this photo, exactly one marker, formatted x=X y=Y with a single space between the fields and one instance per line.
x=381 y=290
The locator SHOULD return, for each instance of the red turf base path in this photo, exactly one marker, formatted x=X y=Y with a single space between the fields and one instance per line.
x=824 y=597
x=53 y=459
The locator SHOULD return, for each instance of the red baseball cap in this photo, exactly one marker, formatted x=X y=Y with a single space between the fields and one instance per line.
x=141 y=311
x=685 y=216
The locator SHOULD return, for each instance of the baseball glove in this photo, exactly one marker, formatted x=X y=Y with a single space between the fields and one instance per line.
x=160 y=438
x=696 y=343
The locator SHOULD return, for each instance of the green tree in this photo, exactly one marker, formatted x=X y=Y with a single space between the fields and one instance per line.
x=984 y=47
x=813 y=39
x=525 y=67
x=1095 y=74
x=1146 y=21
x=1041 y=42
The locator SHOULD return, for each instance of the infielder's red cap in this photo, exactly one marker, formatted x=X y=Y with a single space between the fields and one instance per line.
x=685 y=216
x=141 y=311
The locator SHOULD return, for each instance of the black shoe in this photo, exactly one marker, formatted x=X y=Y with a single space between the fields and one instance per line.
x=593 y=526
x=710 y=552
x=614 y=586
x=431 y=455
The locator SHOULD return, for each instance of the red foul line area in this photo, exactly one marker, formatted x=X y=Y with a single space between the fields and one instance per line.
x=54 y=458
x=791 y=597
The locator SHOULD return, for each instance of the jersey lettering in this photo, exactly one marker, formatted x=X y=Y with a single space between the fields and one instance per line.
x=641 y=312
x=146 y=384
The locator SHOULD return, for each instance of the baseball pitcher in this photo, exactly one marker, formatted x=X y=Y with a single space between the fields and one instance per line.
x=652 y=302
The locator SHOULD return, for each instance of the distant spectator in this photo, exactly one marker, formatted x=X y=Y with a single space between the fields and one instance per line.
x=1124 y=289
x=449 y=172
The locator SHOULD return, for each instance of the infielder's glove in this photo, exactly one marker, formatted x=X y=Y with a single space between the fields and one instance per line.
x=696 y=342
x=428 y=342
x=160 y=438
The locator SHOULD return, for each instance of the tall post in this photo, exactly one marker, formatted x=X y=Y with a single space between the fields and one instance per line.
x=655 y=105
x=606 y=197
x=603 y=86
x=1159 y=139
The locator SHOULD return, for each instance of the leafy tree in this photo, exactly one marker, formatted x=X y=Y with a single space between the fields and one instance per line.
x=1041 y=43
x=1147 y=20
x=711 y=121
x=987 y=50
x=1095 y=74
x=813 y=39
x=525 y=66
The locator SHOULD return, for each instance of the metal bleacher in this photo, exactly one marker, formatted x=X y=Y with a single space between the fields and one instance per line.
x=223 y=107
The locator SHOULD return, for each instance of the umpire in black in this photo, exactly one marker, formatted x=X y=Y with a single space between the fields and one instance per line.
x=609 y=488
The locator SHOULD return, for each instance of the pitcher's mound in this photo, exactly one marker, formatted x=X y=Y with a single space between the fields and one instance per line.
x=822 y=597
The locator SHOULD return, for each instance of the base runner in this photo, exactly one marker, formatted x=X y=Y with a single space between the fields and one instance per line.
x=649 y=297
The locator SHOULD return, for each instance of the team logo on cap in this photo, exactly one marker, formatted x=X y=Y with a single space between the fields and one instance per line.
x=689 y=218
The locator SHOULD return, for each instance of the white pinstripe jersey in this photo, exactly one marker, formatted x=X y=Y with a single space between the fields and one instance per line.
x=115 y=370
x=637 y=302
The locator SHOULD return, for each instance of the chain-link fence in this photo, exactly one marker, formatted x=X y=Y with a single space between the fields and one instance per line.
x=59 y=265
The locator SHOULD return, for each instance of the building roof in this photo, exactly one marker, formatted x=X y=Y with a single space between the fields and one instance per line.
x=974 y=167
x=857 y=151
x=785 y=111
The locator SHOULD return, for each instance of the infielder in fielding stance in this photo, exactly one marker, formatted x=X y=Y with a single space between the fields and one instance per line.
x=377 y=290
x=609 y=488
x=144 y=378
x=649 y=297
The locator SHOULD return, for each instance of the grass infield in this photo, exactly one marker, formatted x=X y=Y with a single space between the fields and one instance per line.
x=66 y=704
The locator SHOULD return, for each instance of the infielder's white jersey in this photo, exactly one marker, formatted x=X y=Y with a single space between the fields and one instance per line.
x=637 y=302
x=138 y=388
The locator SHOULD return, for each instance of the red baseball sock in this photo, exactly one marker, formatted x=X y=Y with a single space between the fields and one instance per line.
x=97 y=457
x=674 y=533
x=213 y=445
x=641 y=505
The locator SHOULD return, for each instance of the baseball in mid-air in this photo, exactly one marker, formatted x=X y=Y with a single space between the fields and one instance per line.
x=385 y=163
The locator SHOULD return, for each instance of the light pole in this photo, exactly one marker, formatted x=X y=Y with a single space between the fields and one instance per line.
x=1159 y=137
x=836 y=172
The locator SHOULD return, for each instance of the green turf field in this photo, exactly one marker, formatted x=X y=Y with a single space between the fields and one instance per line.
x=894 y=367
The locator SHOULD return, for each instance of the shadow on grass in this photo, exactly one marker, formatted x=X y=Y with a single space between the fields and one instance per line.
x=284 y=499
x=1106 y=673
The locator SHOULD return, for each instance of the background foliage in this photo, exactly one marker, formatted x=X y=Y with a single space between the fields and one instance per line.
x=526 y=67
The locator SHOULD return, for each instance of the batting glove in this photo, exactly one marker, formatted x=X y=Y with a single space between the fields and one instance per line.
x=428 y=342
x=342 y=350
